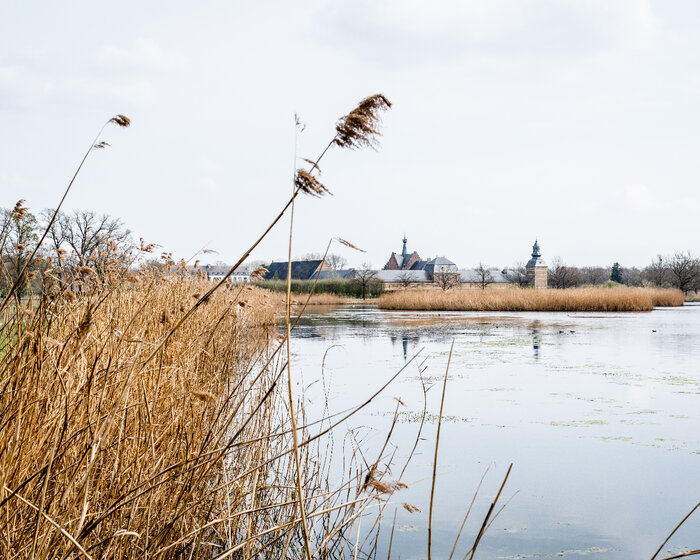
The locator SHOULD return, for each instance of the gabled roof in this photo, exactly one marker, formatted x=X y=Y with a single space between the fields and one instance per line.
x=392 y=263
x=301 y=270
x=442 y=261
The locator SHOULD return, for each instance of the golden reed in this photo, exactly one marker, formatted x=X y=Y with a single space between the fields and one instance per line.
x=523 y=299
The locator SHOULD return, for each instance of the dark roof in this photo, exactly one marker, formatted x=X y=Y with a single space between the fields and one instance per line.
x=419 y=265
x=301 y=270
x=439 y=261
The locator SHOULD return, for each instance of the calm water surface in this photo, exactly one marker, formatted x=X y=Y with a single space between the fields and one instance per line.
x=598 y=414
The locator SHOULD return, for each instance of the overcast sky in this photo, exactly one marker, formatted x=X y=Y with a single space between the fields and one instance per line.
x=572 y=121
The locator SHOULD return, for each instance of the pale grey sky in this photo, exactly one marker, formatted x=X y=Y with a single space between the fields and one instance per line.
x=573 y=121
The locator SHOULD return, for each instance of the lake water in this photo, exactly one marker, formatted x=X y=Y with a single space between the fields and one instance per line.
x=597 y=412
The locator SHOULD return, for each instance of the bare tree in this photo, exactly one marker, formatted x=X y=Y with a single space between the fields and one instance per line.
x=657 y=272
x=91 y=240
x=365 y=277
x=405 y=279
x=18 y=237
x=562 y=276
x=310 y=257
x=632 y=276
x=594 y=275
x=336 y=262
x=685 y=270
x=483 y=274
x=517 y=274
x=447 y=280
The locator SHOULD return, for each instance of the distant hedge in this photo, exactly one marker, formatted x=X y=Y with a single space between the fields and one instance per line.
x=340 y=287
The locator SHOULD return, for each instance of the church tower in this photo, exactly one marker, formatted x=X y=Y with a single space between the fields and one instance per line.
x=536 y=268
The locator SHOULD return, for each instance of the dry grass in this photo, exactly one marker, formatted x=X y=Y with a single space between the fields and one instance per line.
x=141 y=417
x=517 y=299
x=185 y=455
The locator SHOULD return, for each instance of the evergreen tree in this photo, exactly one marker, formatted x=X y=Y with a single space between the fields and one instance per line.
x=616 y=273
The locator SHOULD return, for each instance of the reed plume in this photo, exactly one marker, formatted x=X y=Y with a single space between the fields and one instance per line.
x=120 y=120
x=348 y=244
x=259 y=273
x=19 y=211
x=305 y=182
x=360 y=127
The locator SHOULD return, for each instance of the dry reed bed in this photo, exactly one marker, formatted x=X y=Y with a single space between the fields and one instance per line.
x=518 y=299
x=144 y=419
x=185 y=454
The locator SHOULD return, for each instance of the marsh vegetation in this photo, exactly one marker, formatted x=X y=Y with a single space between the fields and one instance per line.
x=519 y=299
x=145 y=413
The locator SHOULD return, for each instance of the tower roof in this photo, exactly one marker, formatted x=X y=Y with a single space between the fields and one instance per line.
x=536 y=259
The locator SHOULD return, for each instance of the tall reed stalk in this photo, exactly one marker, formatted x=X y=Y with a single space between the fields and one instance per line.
x=134 y=423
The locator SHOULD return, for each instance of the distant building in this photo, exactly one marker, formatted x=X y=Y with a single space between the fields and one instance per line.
x=536 y=268
x=215 y=272
x=405 y=260
x=411 y=261
x=440 y=265
x=407 y=269
x=465 y=278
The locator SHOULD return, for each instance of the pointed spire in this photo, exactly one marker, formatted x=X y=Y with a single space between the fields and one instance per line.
x=404 y=252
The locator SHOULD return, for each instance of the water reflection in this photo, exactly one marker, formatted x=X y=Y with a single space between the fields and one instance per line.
x=594 y=423
x=404 y=338
x=536 y=339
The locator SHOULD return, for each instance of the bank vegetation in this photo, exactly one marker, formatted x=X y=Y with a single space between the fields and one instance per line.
x=527 y=299
x=352 y=288
x=146 y=413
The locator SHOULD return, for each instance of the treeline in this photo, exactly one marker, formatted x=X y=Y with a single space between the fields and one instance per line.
x=680 y=270
x=350 y=287
x=79 y=247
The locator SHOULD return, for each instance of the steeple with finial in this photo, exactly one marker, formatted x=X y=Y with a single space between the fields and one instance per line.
x=405 y=251
x=536 y=268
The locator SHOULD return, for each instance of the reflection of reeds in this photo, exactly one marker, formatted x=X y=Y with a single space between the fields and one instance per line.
x=517 y=299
